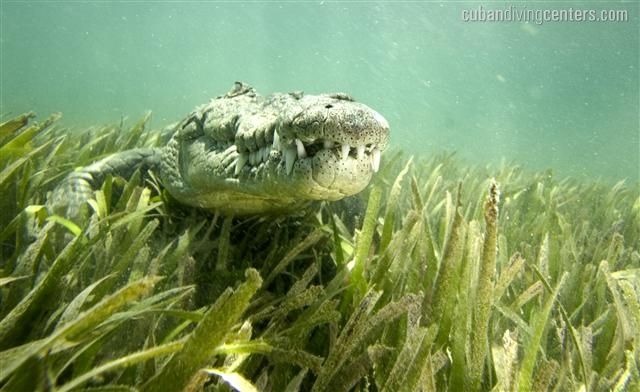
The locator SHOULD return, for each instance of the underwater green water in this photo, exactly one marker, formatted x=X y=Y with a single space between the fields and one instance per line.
x=558 y=95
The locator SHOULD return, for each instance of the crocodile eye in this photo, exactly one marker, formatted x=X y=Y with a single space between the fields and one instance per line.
x=328 y=106
x=341 y=97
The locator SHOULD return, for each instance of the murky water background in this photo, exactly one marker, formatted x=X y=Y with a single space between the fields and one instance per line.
x=561 y=95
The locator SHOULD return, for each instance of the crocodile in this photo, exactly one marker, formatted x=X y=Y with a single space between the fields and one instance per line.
x=243 y=153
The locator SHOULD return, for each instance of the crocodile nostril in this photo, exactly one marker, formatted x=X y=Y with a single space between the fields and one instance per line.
x=328 y=106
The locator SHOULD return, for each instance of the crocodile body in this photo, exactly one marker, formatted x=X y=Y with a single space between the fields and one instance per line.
x=242 y=153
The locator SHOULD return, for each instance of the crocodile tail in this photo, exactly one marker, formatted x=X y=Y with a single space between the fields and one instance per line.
x=69 y=198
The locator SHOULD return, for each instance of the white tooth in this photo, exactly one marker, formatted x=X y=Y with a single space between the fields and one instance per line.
x=265 y=154
x=360 y=151
x=242 y=160
x=289 y=158
x=345 y=151
x=261 y=155
x=276 y=140
x=302 y=153
x=375 y=160
x=328 y=144
x=252 y=158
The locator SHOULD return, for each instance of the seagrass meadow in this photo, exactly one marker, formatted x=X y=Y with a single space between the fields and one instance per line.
x=440 y=276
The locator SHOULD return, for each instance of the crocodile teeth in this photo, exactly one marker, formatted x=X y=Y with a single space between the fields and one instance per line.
x=328 y=144
x=276 y=140
x=375 y=160
x=242 y=160
x=252 y=158
x=360 y=151
x=345 y=151
x=265 y=154
x=302 y=153
x=289 y=158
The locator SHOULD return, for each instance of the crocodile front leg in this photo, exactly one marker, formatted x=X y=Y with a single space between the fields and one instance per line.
x=69 y=199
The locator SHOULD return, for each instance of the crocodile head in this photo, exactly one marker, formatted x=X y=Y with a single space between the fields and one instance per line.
x=280 y=152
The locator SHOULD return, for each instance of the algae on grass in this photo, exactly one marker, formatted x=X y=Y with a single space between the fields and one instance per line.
x=205 y=338
x=484 y=292
x=433 y=290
